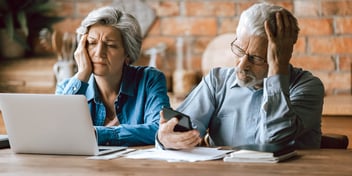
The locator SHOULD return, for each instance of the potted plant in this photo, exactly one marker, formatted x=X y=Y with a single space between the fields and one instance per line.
x=21 y=21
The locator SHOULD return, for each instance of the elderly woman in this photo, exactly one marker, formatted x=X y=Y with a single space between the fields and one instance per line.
x=124 y=100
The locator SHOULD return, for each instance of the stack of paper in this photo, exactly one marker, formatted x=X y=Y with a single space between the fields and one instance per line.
x=191 y=155
x=262 y=153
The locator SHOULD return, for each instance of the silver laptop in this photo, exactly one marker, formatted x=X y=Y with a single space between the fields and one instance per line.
x=50 y=124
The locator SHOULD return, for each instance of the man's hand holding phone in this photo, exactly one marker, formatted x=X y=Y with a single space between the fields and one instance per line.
x=184 y=122
x=175 y=130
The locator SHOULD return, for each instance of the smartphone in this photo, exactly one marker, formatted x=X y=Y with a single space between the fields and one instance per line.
x=184 y=122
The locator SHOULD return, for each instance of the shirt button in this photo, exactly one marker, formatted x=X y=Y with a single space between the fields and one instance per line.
x=74 y=88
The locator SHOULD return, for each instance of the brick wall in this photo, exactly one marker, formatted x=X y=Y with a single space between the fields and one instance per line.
x=324 y=46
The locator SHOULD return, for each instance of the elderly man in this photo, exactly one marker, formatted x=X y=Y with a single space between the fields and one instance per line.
x=263 y=99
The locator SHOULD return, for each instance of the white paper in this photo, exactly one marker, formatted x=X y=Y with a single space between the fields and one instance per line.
x=4 y=137
x=238 y=157
x=251 y=154
x=112 y=155
x=190 y=155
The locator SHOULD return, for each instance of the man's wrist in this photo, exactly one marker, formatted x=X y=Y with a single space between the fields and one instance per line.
x=158 y=144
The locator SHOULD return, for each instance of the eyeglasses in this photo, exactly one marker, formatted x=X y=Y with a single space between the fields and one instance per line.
x=239 y=52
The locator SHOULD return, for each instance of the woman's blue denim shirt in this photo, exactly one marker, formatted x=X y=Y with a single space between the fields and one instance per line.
x=142 y=94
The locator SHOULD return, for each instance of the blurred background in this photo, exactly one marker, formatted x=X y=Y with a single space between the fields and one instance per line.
x=324 y=44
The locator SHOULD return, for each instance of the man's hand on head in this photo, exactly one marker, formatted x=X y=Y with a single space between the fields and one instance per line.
x=280 y=42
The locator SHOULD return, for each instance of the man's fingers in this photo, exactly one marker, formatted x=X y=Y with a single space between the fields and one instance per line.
x=287 y=23
x=167 y=125
x=183 y=140
x=176 y=140
x=280 y=24
x=162 y=119
x=193 y=140
x=268 y=31
x=293 y=28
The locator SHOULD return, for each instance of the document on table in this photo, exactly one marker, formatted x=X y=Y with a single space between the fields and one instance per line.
x=190 y=155
x=111 y=155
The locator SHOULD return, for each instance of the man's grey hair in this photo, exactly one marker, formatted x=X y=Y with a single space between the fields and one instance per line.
x=252 y=20
x=124 y=22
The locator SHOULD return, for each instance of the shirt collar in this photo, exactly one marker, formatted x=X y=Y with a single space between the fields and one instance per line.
x=128 y=84
x=235 y=84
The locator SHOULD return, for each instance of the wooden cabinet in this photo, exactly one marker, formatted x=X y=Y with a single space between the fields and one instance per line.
x=337 y=116
x=27 y=75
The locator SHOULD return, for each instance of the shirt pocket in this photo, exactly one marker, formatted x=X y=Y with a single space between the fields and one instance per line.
x=221 y=129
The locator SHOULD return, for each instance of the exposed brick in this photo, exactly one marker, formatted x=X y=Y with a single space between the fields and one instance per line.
x=228 y=25
x=343 y=25
x=324 y=44
x=345 y=63
x=306 y=8
x=155 y=28
x=152 y=41
x=341 y=7
x=300 y=46
x=65 y=9
x=246 y=4
x=335 y=81
x=165 y=8
x=317 y=63
x=195 y=26
x=314 y=26
x=285 y=4
x=84 y=8
x=240 y=7
x=330 y=45
x=209 y=8
x=68 y=25
x=200 y=44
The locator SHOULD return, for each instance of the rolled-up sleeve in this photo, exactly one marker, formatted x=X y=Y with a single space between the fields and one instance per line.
x=71 y=86
x=288 y=112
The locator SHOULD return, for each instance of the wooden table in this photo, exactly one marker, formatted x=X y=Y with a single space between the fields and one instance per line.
x=337 y=116
x=309 y=162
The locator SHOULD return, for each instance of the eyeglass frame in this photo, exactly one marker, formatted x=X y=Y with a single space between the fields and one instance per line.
x=251 y=58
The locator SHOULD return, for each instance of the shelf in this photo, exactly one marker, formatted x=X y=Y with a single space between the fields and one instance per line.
x=27 y=75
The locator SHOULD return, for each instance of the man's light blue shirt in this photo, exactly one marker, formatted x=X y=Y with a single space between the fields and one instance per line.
x=287 y=109
x=142 y=94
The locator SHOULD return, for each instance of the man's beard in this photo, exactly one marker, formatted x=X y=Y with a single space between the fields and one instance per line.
x=250 y=79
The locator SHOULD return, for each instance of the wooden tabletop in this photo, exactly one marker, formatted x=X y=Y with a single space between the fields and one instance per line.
x=309 y=162
x=337 y=105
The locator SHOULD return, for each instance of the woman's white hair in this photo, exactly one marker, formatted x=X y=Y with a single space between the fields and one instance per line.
x=252 y=20
x=124 y=22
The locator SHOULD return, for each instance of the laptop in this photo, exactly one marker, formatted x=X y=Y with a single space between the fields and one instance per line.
x=4 y=141
x=50 y=124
